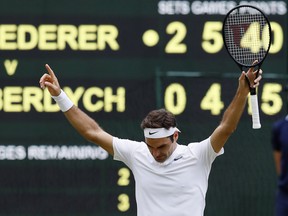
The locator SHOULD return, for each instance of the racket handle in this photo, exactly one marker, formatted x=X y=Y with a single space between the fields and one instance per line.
x=255 y=112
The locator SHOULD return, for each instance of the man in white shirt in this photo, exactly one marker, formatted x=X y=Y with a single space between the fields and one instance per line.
x=171 y=179
x=177 y=186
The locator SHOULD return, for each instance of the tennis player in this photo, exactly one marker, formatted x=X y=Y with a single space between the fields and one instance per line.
x=171 y=179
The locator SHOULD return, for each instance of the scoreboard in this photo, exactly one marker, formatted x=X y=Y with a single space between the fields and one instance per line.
x=117 y=60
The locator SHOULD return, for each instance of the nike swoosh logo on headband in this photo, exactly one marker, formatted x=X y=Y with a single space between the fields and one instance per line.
x=151 y=133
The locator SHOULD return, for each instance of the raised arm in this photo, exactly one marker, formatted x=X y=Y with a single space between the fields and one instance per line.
x=234 y=111
x=86 y=126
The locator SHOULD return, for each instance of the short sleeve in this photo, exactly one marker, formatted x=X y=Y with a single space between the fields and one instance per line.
x=123 y=150
x=204 y=151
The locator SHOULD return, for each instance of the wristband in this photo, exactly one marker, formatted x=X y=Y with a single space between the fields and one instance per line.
x=63 y=101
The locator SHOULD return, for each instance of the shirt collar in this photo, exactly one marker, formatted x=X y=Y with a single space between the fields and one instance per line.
x=174 y=155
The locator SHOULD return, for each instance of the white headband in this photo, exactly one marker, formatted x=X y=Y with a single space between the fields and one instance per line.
x=159 y=132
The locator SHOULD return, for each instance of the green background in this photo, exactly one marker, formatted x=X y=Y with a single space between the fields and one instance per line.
x=242 y=181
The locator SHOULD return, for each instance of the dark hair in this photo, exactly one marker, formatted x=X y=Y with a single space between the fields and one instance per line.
x=160 y=118
x=171 y=137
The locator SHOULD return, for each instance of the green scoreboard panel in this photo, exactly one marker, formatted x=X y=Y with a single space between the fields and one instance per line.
x=117 y=60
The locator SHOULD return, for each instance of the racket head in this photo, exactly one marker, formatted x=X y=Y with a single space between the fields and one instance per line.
x=247 y=35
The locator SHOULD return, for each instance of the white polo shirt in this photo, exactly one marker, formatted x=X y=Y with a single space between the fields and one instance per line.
x=176 y=187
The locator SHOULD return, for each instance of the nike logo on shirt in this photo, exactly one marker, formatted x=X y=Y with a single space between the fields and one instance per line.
x=177 y=158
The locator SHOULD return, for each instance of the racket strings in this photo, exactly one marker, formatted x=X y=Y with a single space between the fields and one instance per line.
x=246 y=36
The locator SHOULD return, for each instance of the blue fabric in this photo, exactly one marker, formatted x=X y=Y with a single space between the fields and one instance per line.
x=280 y=143
x=281 y=204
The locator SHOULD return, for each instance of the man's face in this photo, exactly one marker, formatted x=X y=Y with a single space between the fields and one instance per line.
x=161 y=148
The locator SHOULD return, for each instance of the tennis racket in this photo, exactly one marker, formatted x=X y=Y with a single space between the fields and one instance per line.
x=247 y=38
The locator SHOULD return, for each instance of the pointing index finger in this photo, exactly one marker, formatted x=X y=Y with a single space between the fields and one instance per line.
x=50 y=71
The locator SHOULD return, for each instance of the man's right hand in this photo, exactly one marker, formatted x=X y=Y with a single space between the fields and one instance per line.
x=50 y=81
